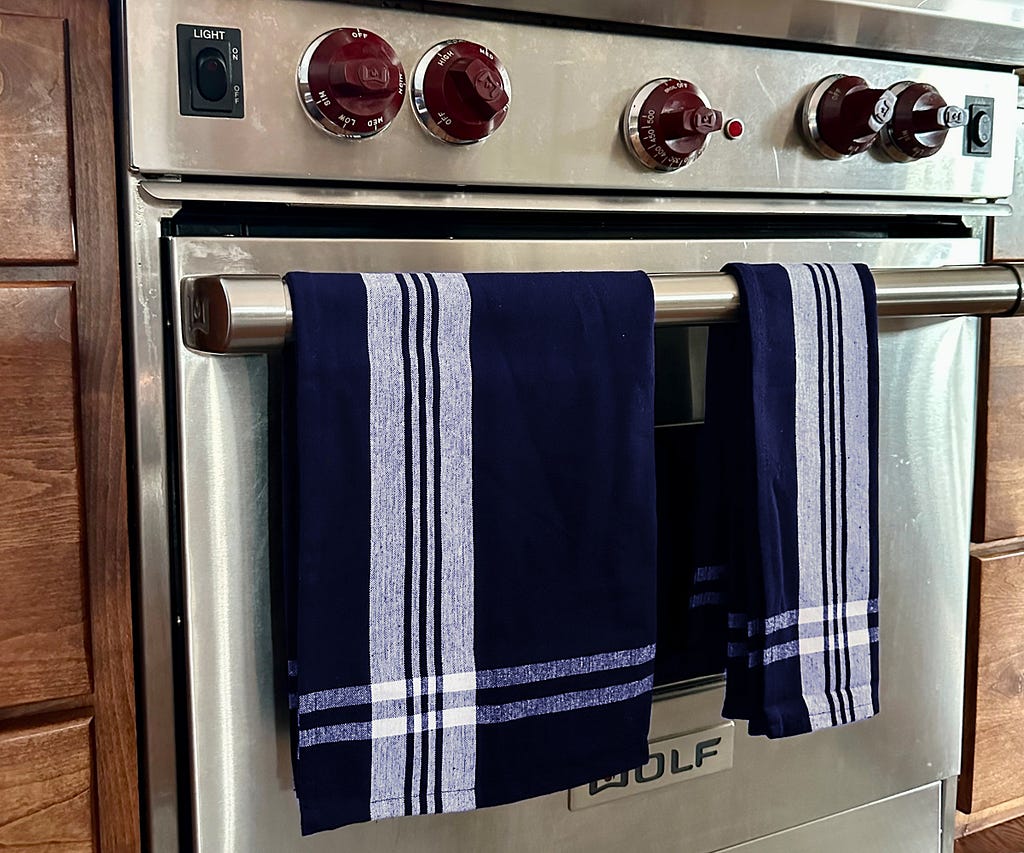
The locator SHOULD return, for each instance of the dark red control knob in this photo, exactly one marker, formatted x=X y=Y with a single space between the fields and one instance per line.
x=842 y=115
x=667 y=124
x=351 y=83
x=461 y=92
x=920 y=121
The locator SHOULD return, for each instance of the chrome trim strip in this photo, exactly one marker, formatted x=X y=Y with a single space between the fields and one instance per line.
x=178 y=192
x=151 y=559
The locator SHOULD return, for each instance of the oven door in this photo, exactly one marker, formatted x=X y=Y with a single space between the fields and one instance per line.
x=232 y=678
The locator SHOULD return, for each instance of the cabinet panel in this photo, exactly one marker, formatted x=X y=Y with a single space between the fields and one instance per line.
x=35 y=167
x=999 y=490
x=46 y=799
x=993 y=762
x=43 y=647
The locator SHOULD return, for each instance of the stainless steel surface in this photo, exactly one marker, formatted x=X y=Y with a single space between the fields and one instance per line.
x=152 y=614
x=1008 y=235
x=563 y=130
x=449 y=199
x=978 y=30
x=241 y=776
x=670 y=761
x=948 y=813
x=902 y=824
x=247 y=314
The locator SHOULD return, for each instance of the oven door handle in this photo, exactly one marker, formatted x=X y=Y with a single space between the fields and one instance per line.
x=240 y=314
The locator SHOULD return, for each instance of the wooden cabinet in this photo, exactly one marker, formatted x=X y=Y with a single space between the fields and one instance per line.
x=992 y=772
x=46 y=795
x=35 y=166
x=999 y=486
x=68 y=771
x=43 y=639
x=990 y=792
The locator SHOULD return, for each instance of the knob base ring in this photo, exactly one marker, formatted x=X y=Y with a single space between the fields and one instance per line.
x=419 y=100
x=631 y=127
x=809 y=119
x=307 y=96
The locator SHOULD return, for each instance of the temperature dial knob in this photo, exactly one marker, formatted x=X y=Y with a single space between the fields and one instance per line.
x=351 y=83
x=667 y=124
x=920 y=121
x=461 y=92
x=842 y=115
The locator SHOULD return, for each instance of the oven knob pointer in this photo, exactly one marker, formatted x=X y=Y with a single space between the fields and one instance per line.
x=667 y=124
x=920 y=121
x=351 y=83
x=461 y=92
x=842 y=115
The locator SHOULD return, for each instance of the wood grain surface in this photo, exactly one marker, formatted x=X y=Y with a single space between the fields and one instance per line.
x=993 y=762
x=104 y=461
x=999 y=482
x=101 y=405
x=980 y=819
x=43 y=640
x=1005 y=838
x=46 y=799
x=35 y=176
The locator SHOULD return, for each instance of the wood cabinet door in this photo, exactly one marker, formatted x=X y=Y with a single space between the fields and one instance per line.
x=46 y=797
x=35 y=169
x=999 y=486
x=992 y=772
x=43 y=645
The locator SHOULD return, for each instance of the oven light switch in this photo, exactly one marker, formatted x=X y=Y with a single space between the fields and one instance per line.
x=210 y=71
x=978 y=138
x=211 y=75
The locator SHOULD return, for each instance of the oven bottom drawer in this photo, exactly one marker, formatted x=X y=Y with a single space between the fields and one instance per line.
x=908 y=823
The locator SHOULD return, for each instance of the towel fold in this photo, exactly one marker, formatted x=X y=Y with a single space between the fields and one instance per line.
x=469 y=537
x=785 y=588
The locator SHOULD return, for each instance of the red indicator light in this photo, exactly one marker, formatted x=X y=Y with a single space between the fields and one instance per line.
x=733 y=128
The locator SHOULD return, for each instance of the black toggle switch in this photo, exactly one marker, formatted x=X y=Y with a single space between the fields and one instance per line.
x=978 y=135
x=211 y=74
x=981 y=129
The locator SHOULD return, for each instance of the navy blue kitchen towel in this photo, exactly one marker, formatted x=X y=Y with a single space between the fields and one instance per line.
x=786 y=574
x=470 y=544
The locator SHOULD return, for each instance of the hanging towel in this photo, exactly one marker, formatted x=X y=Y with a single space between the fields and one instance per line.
x=469 y=537
x=785 y=585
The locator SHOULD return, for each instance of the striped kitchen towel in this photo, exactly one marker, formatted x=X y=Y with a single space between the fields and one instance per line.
x=785 y=588
x=469 y=537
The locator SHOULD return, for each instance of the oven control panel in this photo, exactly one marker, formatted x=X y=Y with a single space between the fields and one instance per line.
x=339 y=92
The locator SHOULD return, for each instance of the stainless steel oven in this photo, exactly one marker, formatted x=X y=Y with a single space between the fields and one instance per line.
x=227 y=177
